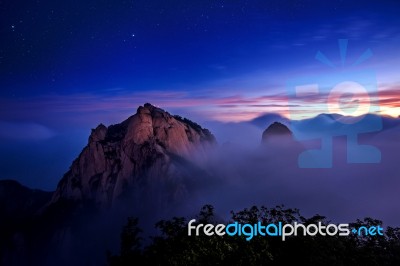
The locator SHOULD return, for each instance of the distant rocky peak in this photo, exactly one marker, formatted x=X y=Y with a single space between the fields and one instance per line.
x=276 y=129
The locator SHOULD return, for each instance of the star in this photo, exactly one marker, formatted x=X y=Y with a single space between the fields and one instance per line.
x=133 y=35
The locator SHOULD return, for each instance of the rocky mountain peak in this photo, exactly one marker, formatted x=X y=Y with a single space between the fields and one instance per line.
x=148 y=107
x=144 y=148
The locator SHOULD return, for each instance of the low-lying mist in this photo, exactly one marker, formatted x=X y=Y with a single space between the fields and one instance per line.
x=242 y=171
x=269 y=174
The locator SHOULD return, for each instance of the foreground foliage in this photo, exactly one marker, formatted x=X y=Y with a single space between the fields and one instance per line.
x=175 y=247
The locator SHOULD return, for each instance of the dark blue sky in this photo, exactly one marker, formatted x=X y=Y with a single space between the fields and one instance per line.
x=93 y=46
x=66 y=66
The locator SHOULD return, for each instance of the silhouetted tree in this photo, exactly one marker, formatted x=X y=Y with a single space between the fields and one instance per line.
x=174 y=247
x=130 y=244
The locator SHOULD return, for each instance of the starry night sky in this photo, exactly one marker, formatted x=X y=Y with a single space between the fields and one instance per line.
x=67 y=66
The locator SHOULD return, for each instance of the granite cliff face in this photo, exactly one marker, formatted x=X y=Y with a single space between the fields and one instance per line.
x=149 y=149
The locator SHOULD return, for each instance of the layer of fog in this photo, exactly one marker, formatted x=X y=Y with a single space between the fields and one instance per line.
x=241 y=172
x=254 y=174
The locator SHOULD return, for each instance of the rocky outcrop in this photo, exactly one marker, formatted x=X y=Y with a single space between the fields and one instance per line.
x=276 y=130
x=138 y=154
